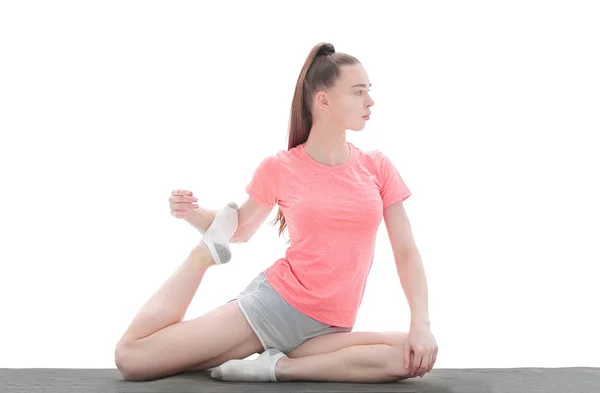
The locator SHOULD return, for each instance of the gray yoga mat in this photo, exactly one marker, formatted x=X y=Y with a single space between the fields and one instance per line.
x=547 y=380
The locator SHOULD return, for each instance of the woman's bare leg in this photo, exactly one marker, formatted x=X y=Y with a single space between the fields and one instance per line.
x=170 y=303
x=347 y=357
x=359 y=364
x=361 y=357
x=159 y=344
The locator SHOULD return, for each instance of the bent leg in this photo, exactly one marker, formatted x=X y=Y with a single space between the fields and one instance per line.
x=184 y=345
x=361 y=357
x=158 y=344
x=170 y=302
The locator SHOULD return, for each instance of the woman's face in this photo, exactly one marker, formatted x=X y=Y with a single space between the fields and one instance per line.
x=349 y=99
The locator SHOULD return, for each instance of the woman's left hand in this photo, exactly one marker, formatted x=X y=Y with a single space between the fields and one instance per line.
x=422 y=343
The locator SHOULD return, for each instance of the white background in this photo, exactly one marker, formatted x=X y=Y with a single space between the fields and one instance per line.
x=490 y=112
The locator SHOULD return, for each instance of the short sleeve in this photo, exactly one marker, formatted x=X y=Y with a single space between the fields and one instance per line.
x=391 y=185
x=263 y=186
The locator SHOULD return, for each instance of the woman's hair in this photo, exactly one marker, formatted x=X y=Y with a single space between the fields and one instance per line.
x=321 y=70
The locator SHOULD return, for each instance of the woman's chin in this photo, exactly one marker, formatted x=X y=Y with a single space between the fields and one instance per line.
x=358 y=127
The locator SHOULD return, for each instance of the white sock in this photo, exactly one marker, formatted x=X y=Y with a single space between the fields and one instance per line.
x=261 y=369
x=220 y=231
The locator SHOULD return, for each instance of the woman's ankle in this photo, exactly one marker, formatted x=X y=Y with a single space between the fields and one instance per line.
x=201 y=254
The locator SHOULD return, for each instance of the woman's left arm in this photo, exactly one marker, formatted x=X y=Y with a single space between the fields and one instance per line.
x=420 y=342
x=408 y=263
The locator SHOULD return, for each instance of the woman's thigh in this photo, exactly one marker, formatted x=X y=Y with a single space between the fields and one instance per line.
x=330 y=342
x=335 y=341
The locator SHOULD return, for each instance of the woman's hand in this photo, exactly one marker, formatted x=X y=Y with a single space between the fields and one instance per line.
x=181 y=202
x=422 y=343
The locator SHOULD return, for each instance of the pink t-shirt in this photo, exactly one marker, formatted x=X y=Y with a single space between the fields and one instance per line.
x=332 y=215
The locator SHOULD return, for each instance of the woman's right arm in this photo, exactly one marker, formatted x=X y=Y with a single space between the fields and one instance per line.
x=251 y=216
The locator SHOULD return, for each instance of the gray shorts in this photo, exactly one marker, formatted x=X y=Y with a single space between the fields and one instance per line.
x=276 y=323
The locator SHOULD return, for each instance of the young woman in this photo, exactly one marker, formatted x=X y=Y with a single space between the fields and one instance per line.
x=298 y=313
